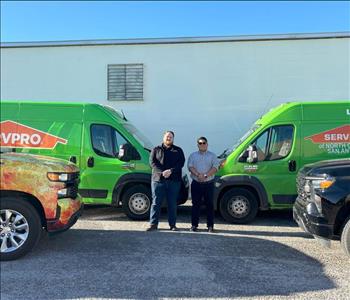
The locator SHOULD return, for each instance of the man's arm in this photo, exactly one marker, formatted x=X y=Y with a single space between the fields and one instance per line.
x=215 y=166
x=154 y=162
x=180 y=162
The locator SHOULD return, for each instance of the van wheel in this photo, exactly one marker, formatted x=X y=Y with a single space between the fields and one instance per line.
x=238 y=205
x=137 y=202
x=20 y=228
x=345 y=238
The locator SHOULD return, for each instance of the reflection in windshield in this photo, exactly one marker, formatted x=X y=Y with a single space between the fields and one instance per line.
x=139 y=136
x=228 y=151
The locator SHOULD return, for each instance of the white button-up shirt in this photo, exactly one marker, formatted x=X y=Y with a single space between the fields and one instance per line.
x=203 y=162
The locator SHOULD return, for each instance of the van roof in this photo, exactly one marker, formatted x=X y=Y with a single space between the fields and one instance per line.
x=307 y=111
x=86 y=107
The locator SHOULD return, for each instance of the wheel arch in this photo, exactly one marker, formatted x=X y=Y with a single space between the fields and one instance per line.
x=342 y=217
x=250 y=183
x=29 y=198
x=126 y=181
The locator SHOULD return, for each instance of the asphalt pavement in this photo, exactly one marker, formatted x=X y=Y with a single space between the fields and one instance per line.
x=107 y=256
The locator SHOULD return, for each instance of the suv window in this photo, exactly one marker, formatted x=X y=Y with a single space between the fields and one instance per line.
x=106 y=140
x=274 y=143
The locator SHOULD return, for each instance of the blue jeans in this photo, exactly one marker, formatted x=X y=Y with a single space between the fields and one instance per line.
x=168 y=189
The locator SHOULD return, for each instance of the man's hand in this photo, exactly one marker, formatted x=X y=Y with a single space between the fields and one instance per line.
x=201 y=177
x=166 y=173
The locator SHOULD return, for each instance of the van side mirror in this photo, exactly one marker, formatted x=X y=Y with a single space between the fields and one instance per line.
x=128 y=152
x=250 y=155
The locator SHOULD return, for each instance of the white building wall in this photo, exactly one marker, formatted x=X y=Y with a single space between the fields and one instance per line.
x=213 y=89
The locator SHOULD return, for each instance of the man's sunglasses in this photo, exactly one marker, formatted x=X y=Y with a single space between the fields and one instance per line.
x=202 y=143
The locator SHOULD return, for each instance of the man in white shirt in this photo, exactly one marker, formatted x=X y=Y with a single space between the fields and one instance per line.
x=202 y=165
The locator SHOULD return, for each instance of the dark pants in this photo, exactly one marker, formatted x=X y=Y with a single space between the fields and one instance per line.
x=202 y=193
x=168 y=189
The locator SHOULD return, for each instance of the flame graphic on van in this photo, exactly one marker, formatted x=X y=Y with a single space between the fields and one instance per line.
x=16 y=135
x=336 y=135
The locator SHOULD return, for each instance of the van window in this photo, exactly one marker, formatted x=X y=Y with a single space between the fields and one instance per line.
x=106 y=140
x=118 y=140
x=261 y=145
x=280 y=142
x=101 y=138
x=274 y=143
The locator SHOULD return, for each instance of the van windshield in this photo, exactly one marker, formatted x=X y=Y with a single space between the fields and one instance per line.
x=228 y=151
x=139 y=136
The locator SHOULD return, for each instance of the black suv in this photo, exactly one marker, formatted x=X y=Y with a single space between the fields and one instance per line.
x=323 y=204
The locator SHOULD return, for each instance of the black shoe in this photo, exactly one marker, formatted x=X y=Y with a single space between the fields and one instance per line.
x=210 y=229
x=193 y=228
x=152 y=228
x=173 y=228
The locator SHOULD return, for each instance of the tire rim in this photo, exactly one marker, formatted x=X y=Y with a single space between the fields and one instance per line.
x=14 y=230
x=238 y=207
x=139 y=203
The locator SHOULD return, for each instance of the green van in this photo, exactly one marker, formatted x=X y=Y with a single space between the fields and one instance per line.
x=111 y=153
x=259 y=172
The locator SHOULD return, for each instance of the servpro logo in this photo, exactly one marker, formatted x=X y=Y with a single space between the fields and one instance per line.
x=16 y=135
x=336 y=141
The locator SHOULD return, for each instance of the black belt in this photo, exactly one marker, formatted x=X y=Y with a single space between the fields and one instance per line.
x=205 y=182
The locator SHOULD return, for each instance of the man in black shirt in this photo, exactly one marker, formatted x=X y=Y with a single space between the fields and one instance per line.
x=166 y=161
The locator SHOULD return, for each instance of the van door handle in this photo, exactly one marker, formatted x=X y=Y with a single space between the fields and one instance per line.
x=292 y=165
x=90 y=162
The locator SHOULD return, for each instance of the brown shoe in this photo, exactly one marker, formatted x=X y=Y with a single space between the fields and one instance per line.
x=152 y=227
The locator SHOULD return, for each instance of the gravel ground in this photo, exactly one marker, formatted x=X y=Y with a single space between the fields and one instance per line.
x=107 y=256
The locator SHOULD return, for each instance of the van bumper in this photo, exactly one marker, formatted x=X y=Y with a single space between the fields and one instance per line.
x=68 y=212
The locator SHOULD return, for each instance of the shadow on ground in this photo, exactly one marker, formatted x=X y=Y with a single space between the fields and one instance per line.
x=134 y=264
x=264 y=218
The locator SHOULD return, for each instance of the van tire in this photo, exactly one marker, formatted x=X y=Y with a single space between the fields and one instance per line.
x=238 y=205
x=20 y=207
x=136 y=202
x=345 y=237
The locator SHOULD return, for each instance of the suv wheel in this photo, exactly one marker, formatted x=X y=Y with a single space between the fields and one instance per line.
x=238 y=205
x=20 y=228
x=345 y=237
x=137 y=202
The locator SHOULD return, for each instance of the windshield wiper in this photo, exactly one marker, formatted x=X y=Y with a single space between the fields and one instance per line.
x=224 y=154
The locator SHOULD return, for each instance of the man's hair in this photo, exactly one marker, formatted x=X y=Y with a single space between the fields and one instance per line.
x=202 y=138
x=169 y=131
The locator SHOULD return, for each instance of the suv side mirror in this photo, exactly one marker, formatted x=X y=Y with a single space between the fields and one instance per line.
x=128 y=152
x=250 y=155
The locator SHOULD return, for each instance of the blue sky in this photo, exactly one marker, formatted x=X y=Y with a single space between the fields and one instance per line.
x=77 y=20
